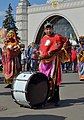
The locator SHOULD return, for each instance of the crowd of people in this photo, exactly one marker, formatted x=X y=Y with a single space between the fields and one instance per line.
x=71 y=66
x=30 y=62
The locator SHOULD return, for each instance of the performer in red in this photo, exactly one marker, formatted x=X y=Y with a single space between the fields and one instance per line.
x=10 y=60
x=52 y=48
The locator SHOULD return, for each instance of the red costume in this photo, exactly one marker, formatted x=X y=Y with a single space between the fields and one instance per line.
x=51 y=51
x=10 y=57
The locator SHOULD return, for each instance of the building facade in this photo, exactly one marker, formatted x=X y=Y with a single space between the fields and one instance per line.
x=66 y=16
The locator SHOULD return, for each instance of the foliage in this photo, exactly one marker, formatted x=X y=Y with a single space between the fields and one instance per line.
x=9 y=22
x=29 y=3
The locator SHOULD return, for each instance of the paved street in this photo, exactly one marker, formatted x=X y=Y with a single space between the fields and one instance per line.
x=71 y=104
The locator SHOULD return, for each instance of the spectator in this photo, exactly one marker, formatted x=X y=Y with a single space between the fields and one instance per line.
x=74 y=58
x=34 y=58
x=32 y=48
x=23 y=58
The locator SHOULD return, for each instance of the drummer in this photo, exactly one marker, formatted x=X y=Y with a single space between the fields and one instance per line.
x=51 y=48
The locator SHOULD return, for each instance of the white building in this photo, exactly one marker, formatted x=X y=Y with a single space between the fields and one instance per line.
x=67 y=17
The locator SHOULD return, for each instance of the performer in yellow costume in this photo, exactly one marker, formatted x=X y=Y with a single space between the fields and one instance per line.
x=80 y=58
x=10 y=59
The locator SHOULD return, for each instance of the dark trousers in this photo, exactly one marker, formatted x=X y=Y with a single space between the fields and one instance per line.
x=56 y=96
x=54 y=92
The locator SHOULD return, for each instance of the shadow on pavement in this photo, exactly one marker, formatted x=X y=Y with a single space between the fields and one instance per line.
x=34 y=117
x=5 y=93
x=71 y=102
x=65 y=103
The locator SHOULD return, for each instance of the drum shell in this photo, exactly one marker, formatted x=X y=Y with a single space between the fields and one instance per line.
x=23 y=89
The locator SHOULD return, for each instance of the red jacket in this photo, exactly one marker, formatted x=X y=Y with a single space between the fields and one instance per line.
x=49 y=44
x=73 y=55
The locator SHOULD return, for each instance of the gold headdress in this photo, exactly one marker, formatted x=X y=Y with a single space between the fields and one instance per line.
x=11 y=34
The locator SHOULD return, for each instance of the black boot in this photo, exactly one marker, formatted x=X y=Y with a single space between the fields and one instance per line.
x=56 y=96
x=51 y=100
x=55 y=99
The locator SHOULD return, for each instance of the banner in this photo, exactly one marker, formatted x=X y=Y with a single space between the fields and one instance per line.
x=2 y=36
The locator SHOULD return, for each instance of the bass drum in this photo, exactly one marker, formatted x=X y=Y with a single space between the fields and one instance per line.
x=30 y=89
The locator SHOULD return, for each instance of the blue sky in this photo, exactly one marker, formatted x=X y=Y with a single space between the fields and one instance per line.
x=4 y=6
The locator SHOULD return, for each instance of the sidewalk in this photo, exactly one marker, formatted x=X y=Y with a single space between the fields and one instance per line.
x=71 y=104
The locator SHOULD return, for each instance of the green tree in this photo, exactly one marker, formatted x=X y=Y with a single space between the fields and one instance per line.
x=9 y=22
x=29 y=3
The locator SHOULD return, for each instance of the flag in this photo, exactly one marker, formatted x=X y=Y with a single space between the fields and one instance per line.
x=2 y=36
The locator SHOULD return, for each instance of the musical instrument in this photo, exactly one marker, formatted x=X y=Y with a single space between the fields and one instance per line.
x=30 y=89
